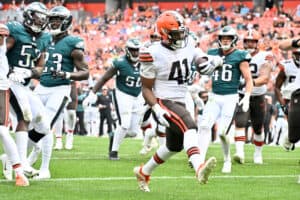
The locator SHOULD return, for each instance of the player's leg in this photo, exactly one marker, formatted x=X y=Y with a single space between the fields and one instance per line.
x=293 y=117
x=70 y=121
x=257 y=116
x=57 y=132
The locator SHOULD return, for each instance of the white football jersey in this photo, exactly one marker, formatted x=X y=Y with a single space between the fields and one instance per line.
x=257 y=61
x=170 y=68
x=4 y=67
x=290 y=70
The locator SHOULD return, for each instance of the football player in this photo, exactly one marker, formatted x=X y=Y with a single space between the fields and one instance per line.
x=261 y=67
x=127 y=97
x=26 y=46
x=224 y=98
x=9 y=144
x=165 y=68
x=65 y=63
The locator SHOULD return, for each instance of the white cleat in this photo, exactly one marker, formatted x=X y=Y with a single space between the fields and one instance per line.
x=142 y=179
x=258 y=159
x=7 y=167
x=58 y=146
x=299 y=179
x=44 y=174
x=239 y=158
x=30 y=172
x=226 y=167
x=145 y=150
x=69 y=141
x=205 y=169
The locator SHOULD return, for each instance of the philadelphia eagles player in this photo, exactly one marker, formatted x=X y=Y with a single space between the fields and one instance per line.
x=127 y=96
x=65 y=62
x=26 y=45
x=225 y=81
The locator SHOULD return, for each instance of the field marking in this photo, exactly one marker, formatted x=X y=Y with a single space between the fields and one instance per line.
x=157 y=178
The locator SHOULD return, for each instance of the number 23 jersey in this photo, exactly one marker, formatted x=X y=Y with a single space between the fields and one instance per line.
x=169 y=68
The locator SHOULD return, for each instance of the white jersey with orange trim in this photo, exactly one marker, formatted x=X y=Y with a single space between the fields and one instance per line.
x=257 y=61
x=290 y=69
x=4 y=67
x=170 y=68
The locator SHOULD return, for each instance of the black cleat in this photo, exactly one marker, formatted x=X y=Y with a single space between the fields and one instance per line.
x=113 y=155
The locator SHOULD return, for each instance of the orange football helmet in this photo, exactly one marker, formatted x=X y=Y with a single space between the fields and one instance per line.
x=171 y=27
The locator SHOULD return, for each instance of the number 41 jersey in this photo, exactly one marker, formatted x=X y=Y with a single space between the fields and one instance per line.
x=58 y=58
x=170 y=69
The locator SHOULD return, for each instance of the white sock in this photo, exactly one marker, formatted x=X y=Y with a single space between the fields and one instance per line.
x=70 y=120
x=149 y=134
x=47 y=143
x=118 y=138
x=161 y=140
x=191 y=146
x=239 y=141
x=204 y=139
x=162 y=154
x=22 y=142
x=57 y=130
x=226 y=150
x=9 y=146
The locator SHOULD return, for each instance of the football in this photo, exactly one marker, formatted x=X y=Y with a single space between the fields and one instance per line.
x=199 y=61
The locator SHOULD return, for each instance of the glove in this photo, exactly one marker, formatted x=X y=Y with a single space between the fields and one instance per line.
x=208 y=67
x=16 y=77
x=90 y=99
x=60 y=74
x=244 y=102
x=161 y=115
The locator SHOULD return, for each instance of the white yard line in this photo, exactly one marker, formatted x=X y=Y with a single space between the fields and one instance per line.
x=158 y=178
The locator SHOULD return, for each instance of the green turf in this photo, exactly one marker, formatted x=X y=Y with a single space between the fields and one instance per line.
x=86 y=173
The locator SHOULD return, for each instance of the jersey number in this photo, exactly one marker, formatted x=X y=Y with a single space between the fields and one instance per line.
x=176 y=72
x=226 y=73
x=57 y=60
x=292 y=79
x=133 y=82
x=253 y=69
x=27 y=62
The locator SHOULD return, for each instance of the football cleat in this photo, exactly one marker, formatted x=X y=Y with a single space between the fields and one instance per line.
x=113 y=155
x=287 y=145
x=205 y=169
x=257 y=158
x=226 y=167
x=145 y=150
x=7 y=167
x=43 y=174
x=239 y=158
x=30 y=172
x=21 y=180
x=69 y=142
x=299 y=179
x=58 y=146
x=142 y=179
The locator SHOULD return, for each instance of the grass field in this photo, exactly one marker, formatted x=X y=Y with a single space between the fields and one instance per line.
x=86 y=173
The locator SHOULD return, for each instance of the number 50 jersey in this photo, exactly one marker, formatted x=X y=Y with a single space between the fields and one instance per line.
x=170 y=69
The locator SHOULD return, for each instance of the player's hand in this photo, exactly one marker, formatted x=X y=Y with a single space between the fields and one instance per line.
x=244 y=102
x=285 y=109
x=90 y=99
x=16 y=77
x=208 y=67
x=161 y=115
x=60 y=74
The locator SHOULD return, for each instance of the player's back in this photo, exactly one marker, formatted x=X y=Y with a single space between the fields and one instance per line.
x=290 y=70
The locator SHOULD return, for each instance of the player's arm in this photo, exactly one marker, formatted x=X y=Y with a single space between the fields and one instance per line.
x=245 y=69
x=264 y=75
x=82 y=72
x=39 y=66
x=281 y=77
x=10 y=42
x=106 y=76
x=289 y=44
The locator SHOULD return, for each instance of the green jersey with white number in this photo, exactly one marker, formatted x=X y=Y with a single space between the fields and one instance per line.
x=58 y=58
x=225 y=79
x=128 y=76
x=27 y=48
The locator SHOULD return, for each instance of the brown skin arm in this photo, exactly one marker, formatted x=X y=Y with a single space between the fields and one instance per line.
x=287 y=44
x=10 y=42
x=278 y=83
x=106 y=76
x=82 y=72
x=264 y=74
x=39 y=66
x=147 y=85
x=245 y=69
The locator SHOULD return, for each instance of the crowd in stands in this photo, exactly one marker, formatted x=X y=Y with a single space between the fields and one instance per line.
x=105 y=35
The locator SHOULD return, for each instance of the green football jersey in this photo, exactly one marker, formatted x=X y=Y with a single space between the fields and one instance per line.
x=128 y=77
x=58 y=58
x=226 y=79
x=27 y=48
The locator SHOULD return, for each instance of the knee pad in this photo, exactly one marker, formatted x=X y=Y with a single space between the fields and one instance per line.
x=35 y=136
x=241 y=118
x=174 y=141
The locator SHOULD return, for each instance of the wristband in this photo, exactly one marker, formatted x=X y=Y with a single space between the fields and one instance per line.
x=68 y=75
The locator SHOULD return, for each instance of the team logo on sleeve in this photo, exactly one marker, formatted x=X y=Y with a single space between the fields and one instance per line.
x=80 y=45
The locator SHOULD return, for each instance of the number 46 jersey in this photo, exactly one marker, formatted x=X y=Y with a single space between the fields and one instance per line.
x=170 y=69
